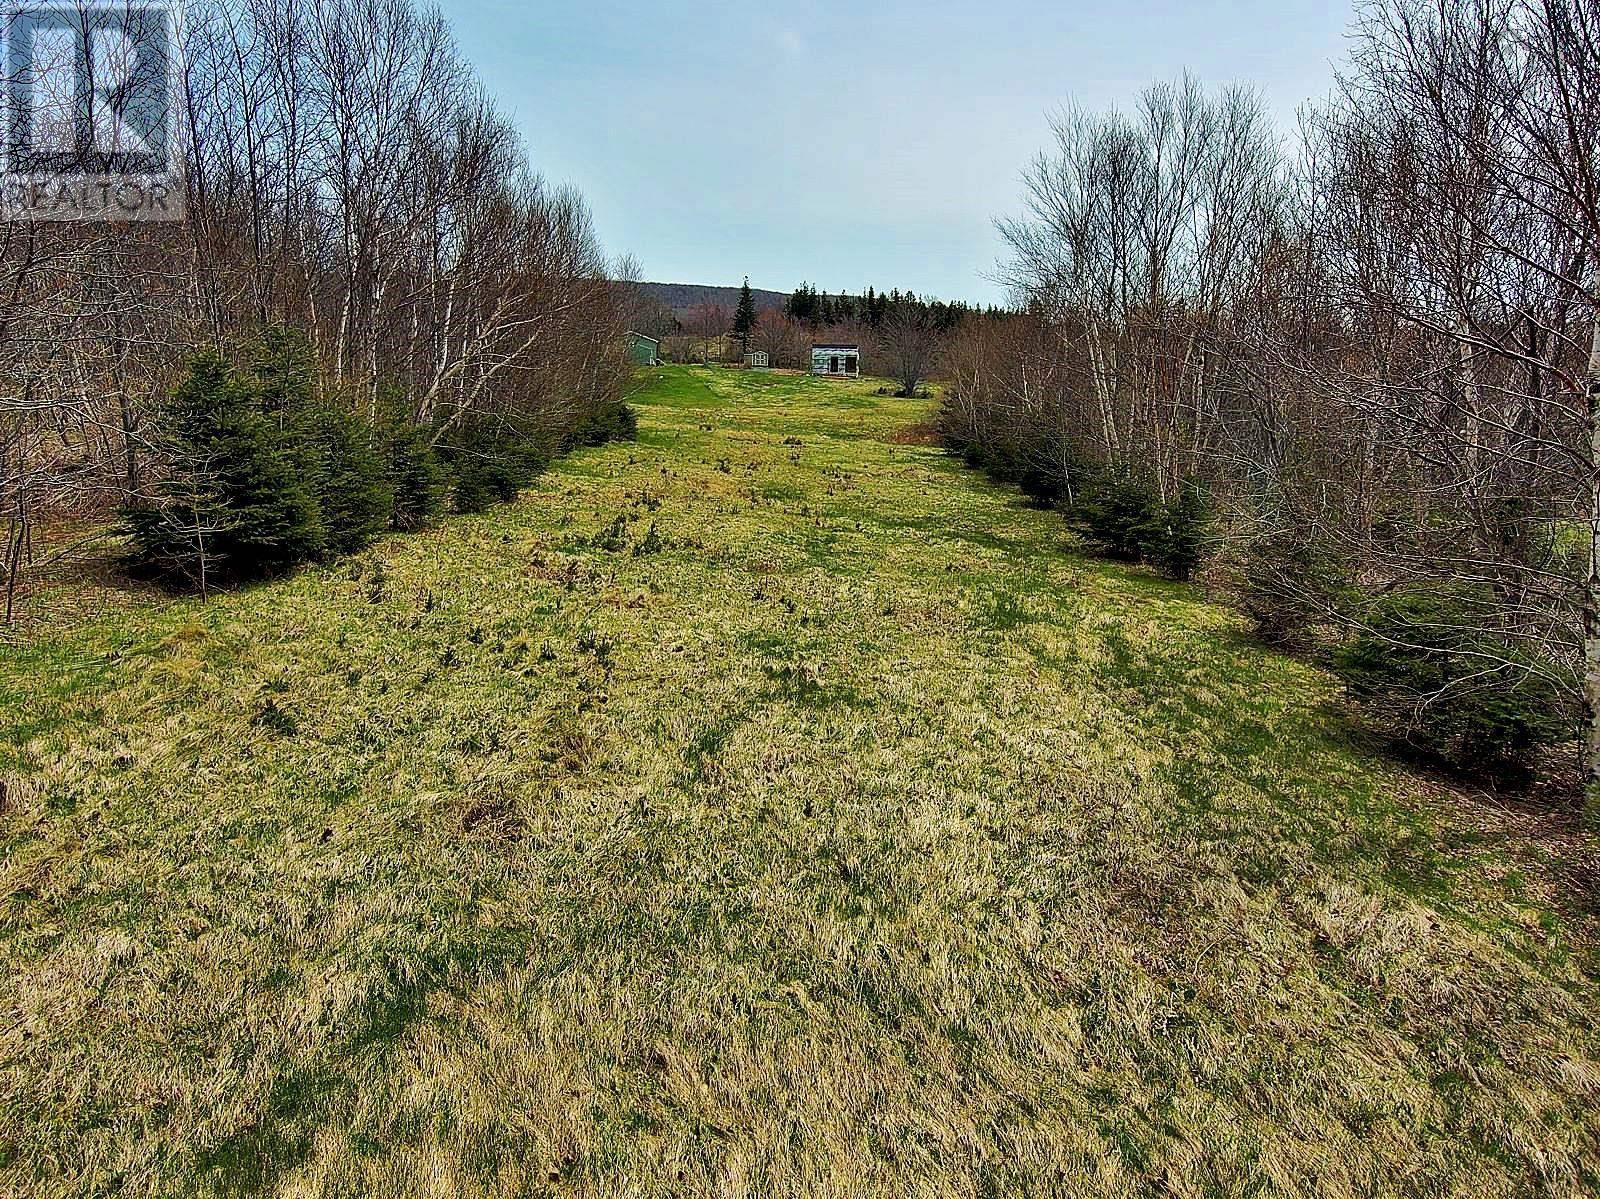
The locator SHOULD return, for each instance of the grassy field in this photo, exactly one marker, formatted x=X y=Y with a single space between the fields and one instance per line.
x=767 y=808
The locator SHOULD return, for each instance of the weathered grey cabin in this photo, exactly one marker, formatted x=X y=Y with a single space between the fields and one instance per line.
x=839 y=360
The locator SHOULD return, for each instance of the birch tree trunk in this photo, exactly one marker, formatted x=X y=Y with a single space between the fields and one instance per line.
x=1591 y=591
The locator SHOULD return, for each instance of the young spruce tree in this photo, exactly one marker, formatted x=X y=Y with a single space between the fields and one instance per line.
x=233 y=505
x=341 y=453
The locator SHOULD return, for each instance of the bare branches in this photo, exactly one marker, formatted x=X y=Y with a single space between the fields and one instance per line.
x=1142 y=236
x=347 y=176
x=1384 y=355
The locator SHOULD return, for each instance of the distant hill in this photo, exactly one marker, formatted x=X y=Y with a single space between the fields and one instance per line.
x=682 y=297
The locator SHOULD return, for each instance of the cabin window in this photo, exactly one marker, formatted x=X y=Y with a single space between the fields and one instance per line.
x=849 y=364
x=833 y=365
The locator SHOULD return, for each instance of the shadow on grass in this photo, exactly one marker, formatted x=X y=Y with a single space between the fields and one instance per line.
x=307 y=1097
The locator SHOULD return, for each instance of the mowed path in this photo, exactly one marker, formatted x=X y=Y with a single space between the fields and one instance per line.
x=766 y=808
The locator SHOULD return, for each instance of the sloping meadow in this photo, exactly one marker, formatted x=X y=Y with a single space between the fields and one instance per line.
x=766 y=807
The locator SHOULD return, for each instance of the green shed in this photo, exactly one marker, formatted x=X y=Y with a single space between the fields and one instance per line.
x=642 y=350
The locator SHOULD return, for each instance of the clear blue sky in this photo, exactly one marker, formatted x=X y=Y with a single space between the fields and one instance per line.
x=847 y=144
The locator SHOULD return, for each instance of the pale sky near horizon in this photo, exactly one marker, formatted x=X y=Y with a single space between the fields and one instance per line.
x=848 y=144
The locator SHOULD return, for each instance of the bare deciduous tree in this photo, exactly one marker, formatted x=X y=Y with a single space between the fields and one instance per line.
x=908 y=343
x=1388 y=347
x=347 y=176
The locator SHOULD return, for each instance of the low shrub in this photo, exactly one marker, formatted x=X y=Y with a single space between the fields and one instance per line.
x=1178 y=542
x=490 y=459
x=338 y=448
x=348 y=475
x=1467 y=696
x=1287 y=583
x=1046 y=486
x=263 y=472
x=415 y=475
x=1121 y=515
x=609 y=422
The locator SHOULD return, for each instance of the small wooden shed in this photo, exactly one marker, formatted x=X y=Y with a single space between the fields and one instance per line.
x=843 y=361
x=642 y=350
x=756 y=359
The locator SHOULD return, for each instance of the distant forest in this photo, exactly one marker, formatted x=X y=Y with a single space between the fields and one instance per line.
x=667 y=308
x=808 y=305
x=680 y=299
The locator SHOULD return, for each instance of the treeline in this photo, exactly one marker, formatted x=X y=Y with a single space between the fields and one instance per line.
x=1371 y=359
x=872 y=308
x=347 y=177
x=264 y=470
x=900 y=334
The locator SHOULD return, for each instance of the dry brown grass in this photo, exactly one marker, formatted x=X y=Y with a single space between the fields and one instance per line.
x=921 y=432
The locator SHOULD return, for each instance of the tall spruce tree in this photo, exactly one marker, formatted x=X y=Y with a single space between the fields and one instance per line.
x=803 y=304
x=744 y=319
